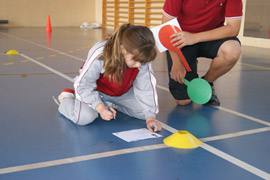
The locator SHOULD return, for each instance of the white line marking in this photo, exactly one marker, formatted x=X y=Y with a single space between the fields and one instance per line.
x=168 y=128
x=80 y=158
x=231 y=111
x=48 y=68
x=209 y=148
x=236 y=134
x=237 y=162
x=244 y=116
x=160 y=87
x=60 y=52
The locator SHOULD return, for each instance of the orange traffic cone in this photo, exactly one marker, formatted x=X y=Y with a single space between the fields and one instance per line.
x=48 y=27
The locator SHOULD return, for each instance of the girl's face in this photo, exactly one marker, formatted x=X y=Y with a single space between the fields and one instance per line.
x=129 y=59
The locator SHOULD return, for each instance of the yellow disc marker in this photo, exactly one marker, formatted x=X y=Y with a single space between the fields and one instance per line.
x=183 y=140
x=12 y=52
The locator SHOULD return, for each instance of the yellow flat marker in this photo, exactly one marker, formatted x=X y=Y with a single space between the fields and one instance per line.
x=77 y=49
x=25 y=61
x=52 y=55
x=70 y=51
x=183 y=140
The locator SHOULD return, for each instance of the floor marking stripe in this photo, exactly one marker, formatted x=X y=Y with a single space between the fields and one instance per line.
x=231 y=111
x=261 y=67
x=48 y=68
x=209 y=148
x=168 y=128
x=161 y=87
x=236 y=134
x=39 y=58
x=243 y=115
x=6 y=64
x=237 y=162
x=80 y=158
x=36 y=44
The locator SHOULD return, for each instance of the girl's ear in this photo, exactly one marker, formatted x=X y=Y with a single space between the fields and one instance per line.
x=123 y=50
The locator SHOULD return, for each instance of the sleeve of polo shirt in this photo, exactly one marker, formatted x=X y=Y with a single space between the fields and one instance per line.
x=234 y=9
x=172 y=8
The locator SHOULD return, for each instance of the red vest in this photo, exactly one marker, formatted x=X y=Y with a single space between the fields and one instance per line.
x=113 y=88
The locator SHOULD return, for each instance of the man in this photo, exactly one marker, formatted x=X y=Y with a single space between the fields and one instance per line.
x=204 y=34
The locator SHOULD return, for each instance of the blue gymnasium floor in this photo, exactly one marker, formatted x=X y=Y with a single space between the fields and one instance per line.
x=38 y=143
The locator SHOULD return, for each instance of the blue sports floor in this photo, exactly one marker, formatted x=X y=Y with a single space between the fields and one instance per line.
x=37 y=143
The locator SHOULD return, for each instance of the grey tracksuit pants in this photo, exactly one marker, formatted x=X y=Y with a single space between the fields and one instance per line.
x=81 y=114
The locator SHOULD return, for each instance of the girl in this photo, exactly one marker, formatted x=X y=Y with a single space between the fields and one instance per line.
x=119 y=69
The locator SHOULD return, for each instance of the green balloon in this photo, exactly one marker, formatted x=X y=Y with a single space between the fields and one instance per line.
x=199 y=90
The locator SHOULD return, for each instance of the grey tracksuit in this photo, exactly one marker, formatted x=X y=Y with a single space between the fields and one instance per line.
x=139 y=101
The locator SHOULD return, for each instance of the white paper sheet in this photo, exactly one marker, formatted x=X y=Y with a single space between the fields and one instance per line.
x=156 y=29
x=136 y=135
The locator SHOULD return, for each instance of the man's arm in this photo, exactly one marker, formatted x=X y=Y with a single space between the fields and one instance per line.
x=178 y=71
x=231 y=29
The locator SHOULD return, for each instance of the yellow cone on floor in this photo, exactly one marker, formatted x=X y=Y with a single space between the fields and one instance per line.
x=183 y=140
x=12 y=52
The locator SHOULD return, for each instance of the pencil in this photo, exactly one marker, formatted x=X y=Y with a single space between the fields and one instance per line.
x=104 y=101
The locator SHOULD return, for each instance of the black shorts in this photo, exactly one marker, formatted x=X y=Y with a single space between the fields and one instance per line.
x=204 y=49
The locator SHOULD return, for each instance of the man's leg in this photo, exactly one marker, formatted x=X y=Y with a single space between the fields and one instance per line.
x=228 y=54
x=179 y=91
x=225 y=53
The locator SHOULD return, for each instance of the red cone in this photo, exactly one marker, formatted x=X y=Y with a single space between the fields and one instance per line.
x=48 y=27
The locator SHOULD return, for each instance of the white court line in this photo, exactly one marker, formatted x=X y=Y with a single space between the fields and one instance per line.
x=39 y=45
x=209 y=148
x=80 y=158
x=231 y=111
x=47 y=67
x=219 y=137
x=236 y=161
x=244 y=116
x=160 y=87
x=236 y=134
x=168 y=128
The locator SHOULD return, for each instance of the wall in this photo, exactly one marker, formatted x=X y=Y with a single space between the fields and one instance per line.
x=99 y=11
x=35 y=12
x=258 y=11
x=251 y=41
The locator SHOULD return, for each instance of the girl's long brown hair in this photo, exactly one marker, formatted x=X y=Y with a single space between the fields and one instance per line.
x=137 y=40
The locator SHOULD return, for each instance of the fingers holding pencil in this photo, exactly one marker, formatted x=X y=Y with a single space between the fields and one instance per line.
x=108 y=115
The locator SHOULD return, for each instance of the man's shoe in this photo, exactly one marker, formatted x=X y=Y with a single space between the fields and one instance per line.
x=214 y=101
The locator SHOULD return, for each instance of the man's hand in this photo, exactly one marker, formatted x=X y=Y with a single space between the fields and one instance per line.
x=178 y=71
x=181 y=39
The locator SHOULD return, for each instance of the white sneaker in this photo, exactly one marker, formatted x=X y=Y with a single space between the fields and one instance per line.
x=66 y=93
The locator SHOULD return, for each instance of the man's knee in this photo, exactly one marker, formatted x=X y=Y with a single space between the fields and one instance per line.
x=183 y=102
x=231 y=51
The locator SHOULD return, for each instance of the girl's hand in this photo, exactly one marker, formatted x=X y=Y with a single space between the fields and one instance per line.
x=105 y=113
x=152 y=122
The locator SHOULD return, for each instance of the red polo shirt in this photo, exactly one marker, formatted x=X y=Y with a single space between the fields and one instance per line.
x=202 y=15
